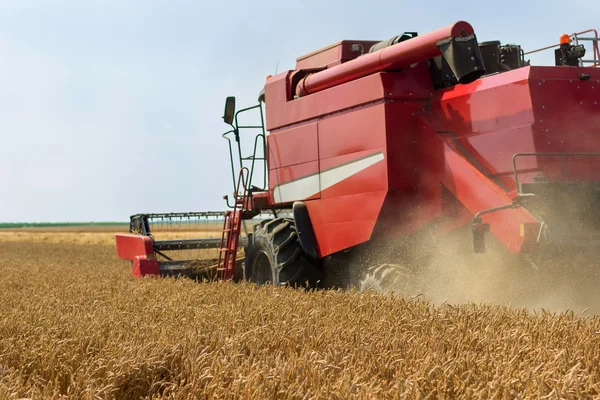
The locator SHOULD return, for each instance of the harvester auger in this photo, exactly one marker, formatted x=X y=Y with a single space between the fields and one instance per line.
x=372 y=141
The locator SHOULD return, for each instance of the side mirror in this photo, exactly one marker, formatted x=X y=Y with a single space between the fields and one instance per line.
x=229 y=110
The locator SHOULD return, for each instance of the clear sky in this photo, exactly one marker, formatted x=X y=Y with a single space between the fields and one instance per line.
x=113 y=107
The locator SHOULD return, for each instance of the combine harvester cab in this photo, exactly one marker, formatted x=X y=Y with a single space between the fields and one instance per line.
x=374 y=141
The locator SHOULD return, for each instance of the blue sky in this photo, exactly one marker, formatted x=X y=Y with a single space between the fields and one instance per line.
x=113 y=107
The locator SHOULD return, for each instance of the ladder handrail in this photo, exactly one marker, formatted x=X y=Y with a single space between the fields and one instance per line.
x=244 y=185
x=224 y=136
x=257 y=144
x=261 y=135
x=230 y=234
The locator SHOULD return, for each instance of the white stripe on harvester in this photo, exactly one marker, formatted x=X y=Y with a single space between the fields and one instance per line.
x=308 y=186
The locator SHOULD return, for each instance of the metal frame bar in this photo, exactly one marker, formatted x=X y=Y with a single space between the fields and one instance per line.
x=186 y=244
x=477 y=217
x=224 y=136
x=140 y=223
x=180 y=214
x=261 y=136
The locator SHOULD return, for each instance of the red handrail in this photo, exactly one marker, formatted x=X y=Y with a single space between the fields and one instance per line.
x=231 y=229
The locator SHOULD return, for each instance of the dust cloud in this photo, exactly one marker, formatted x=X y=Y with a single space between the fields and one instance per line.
x=448 y=271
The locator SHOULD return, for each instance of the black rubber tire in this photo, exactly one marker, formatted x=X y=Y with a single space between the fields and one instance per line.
x=275 y=256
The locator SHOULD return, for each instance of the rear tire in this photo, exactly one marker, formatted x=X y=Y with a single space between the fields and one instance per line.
x=387 y=278
x=274 y=255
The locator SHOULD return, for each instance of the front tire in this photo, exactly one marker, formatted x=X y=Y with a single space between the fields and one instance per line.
x=274 y=255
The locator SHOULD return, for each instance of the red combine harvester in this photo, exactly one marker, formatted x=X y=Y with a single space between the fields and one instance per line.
x=374 y=142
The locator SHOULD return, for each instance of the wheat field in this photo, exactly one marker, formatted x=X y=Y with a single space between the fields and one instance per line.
x=74 y=324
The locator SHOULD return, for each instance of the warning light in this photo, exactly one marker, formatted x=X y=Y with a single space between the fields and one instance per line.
x=565 y=39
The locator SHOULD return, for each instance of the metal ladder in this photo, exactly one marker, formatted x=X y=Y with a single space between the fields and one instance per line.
x=232 y=225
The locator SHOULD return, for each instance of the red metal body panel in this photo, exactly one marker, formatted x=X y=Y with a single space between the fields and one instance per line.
x=143 y=266
x=543 y=109
x=130 y=246
x=283 y=110
x=138 y=249
x=374 y=153
x=284 y=147
x=344 y=134
x=335 y=230
x=350 y=127
x=477 y=192
x=279 y=176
